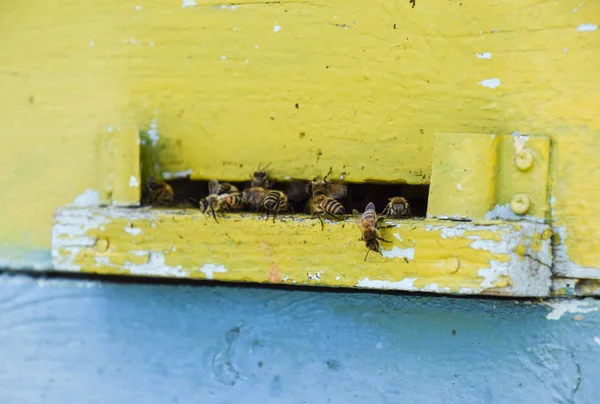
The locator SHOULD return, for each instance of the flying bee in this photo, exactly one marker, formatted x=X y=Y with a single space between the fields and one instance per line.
x=396 y=208
x=260 y=179
x=161 y=193
x=334 y=189
x=275 y=201
x=322 y=204
x=368 y=227
x=253 y=197
x=220 y=203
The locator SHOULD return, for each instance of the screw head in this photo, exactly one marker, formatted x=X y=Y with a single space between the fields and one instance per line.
x=520 y=204
x=524 y=160
x=102 y=245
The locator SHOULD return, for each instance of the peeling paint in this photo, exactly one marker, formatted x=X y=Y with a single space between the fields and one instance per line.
x=490 y=83
x=189 y=3
x=563 y=265
x=134 y=231
x=88 y=198
x=459 y=187
x=153 y=131
x=210 y=269
x=484 y=55
x=597 y=340
x=397 y=252
x=404 y=284
x=276 y=28
x=587 y=27
x=314 y=277
x=178 y=174
x=561 y=307
x=504 y=212
x=133 y=181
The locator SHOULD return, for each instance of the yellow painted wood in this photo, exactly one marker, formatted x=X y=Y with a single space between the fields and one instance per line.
x=492 y=258
x=373 y=83
x=125 y=168
x=569 y=287
x=478 y=175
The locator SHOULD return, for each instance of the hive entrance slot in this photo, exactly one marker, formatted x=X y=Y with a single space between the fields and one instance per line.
x=357 y=198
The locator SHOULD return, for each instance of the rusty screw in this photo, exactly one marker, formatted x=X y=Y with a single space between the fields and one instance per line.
x=520 y=204
x=524 y=160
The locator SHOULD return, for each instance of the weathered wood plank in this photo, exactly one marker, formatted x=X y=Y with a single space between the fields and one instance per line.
x=489 y=258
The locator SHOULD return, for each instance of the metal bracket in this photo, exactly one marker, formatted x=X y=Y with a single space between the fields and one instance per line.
x=479 y=176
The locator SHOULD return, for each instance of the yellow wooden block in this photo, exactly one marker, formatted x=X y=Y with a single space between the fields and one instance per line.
x=124 y=146
x=478 y=176
x=490 y=258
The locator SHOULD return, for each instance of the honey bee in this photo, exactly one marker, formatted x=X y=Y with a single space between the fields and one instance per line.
x=275 y=201
x=254 y=197
x=333 y=189
x=260 y=179
x=396 y=208
x=227 y=188
x=161 y=193
x=368 y=227
x=220 y=203
x=322 y=204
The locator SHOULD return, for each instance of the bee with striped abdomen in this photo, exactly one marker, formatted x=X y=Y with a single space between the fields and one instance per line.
x=322 y=204
x=396 y=208
x=275 y=201
x=219 y=203
x=160 y=193
x=368 y=227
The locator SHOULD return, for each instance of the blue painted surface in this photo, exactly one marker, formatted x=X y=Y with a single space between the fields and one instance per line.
x=98 y=342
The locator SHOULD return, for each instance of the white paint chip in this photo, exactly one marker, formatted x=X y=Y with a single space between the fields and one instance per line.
x=561 y=307
x=223 y=57
x=276 y=28
x=134 y=231
x=484 y=55
x=597 y=340
x=189 y=3
x=404 y=284
x=587 y=27
x=153 y=132
x=210 y=269
x=91 y=43
x=256 y=47
x=138 y=7
x=314 y=277
x=88 y=198
x=459 y=187
x=397 y=252
x=490 y=83
x=133 y=181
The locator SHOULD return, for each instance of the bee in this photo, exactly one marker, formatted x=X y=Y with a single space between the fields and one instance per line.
x=220 y=203
x=333 y=189
x=260 y=179
x=396 y=208
x=161 y=193
x=227 y=188
x=322 y=204
x=275 y=201
x=368 y=227
x=254 y=197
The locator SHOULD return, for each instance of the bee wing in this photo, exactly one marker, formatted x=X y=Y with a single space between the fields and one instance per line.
x=370 y=206
x=213 y=187
x=338 y=191
x=234 y=189
x=355 y=212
